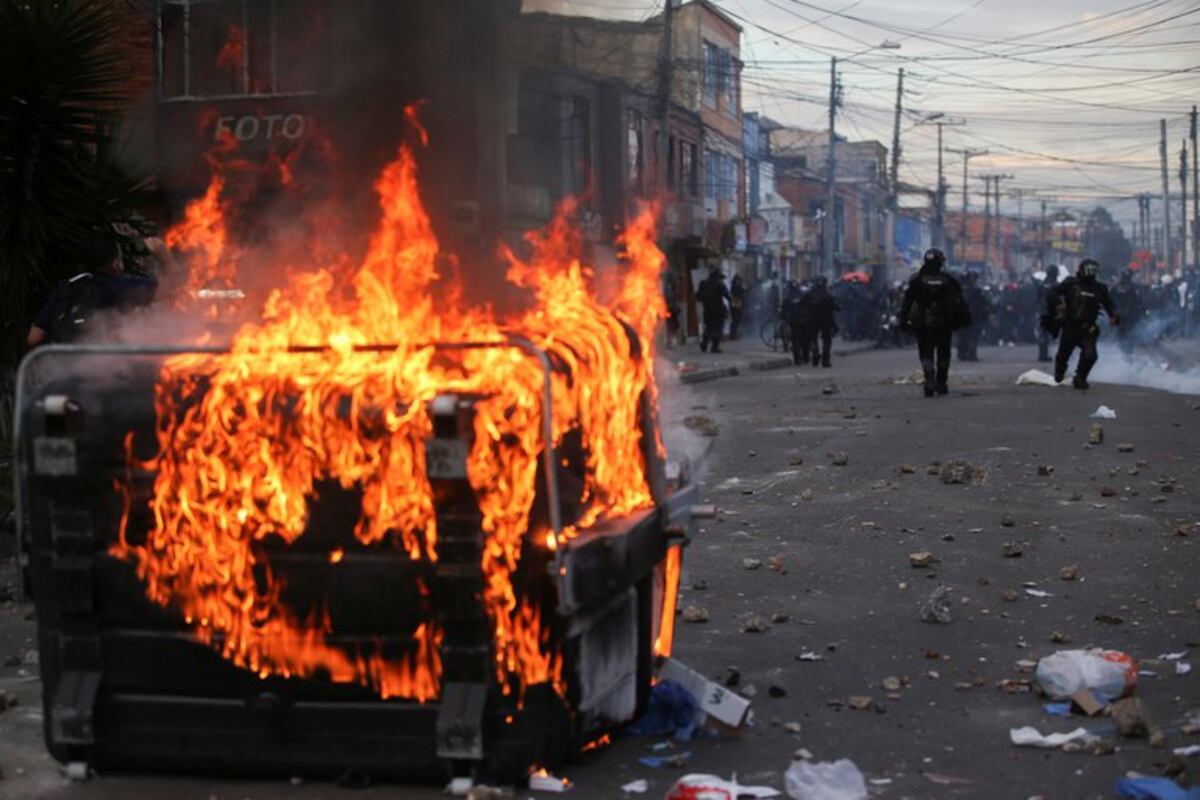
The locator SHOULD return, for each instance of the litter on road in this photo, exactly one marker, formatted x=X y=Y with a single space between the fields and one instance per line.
x=1029 y=736
x=838 y=780
x=691 y=787
x=1147 y=788
x=1108 y=672
x=1104 y=412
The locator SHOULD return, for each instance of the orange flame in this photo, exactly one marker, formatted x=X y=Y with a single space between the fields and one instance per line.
x=244 y=437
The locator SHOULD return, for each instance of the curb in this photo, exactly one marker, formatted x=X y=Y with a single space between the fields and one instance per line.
x=702 y=375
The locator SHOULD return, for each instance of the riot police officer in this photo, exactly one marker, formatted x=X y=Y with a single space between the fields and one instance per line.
x=933 y=309
x=1074 y=308
x=823 y=309
x=714 y=299
x=1045 y=287
x=1127 y=300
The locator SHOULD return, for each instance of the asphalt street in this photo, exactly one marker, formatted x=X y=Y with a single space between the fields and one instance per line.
x=827 y=484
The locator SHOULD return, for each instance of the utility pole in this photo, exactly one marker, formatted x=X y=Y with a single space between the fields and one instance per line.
x=1183 y=181
x=1020 y=227
x=987 y=222
x=992 y=223
x=665 y=70
x=1195 y=194
x=939 y=231
x=967 y=155
x=999 y=220
x=894 y=184
x=1042 y=237
x=829 y=228
x=1166 y=188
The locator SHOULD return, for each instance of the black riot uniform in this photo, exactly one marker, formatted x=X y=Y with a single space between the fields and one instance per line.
x=823 y=309
x=797 y=313
x=1045 y=287
x=1074 y=306
x=933 y=309
x=1130 y=307
x=981 y=309
x=714 y=300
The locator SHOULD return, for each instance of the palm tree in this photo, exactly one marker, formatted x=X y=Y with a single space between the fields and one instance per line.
x=61 y=72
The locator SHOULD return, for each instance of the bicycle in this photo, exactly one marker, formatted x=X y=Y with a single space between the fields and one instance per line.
x=776 y=334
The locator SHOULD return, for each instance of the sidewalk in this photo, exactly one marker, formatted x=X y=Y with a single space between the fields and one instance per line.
x=740 y=356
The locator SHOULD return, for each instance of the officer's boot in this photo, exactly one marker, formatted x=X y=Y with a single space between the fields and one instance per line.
x=930 y=378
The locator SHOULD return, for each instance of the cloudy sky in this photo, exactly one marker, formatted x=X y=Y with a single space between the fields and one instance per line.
x=1066 y=95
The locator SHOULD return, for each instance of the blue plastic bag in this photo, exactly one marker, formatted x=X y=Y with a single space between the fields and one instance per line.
x=1155 y=789
x=671 y=709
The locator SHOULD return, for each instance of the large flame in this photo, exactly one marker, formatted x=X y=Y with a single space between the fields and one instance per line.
x=244 y=438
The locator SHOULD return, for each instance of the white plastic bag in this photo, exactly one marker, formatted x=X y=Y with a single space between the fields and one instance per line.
x=840 y=780
x=1111 y=673
x=1104 y=412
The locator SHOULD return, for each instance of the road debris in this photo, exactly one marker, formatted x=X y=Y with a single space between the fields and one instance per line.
x=1109 y=672
x=935 y=609
x=640 y=786
x=961 y=472
x=1029 y=736
x=1096 y=434
x=1148 y=788
x=1104 y=412
x=921 y=559
x=755 y=624
x=1133 y=721
x=1125 y=447
x=705 y=426
x=695 y=786
x=860 y=702
x=1069 y=572
x=1012 y=549
x=839 y=459
x=839 y=780
x=751 y=563
x=891 y=684
x=695 y=614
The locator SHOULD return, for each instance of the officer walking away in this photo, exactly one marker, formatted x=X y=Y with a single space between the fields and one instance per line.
x=1045 y=287
x=714 y=301
x=933 y=309
x=1127 y=300
x=981 y=309
x=823 y=310
x=72 y=307
x=1074 y=306
x=737 y=304
x=797 y=314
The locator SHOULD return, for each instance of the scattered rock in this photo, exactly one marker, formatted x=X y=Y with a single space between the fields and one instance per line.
x=755 y=624
x=891 y=684
x=1096 y=435
x=699 y=586
x=859 y=702
x=796 y=461
x=806 y=495
x=1108 y=619
x=936 y=607
x=1130 y=716
x=732 y=677
x=839 y=459
x=776 y=691
x=1010 y=595
x=780 y=619
x=705 y=426
x=1007 y=521
x=482 y=792
x=695 y=614
x=1108 y=491
x=775 y=564
x=751 y=563
x=1058 y=637
x=793 y=727
x=1012 y=549
x=831 y=389
x=1185 y=529
x=7 y=701
x=1069 y=572
x=1125 y=447
x=921 y=559
x=15 y=659
x=906 y=469
x=1045 y=470
x=962 y=472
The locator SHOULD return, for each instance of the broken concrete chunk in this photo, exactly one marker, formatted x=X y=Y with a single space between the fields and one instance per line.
x=936 y=607
x=695 y=614
x=1012 y=549
x=1125 y=447
x=839 y=459
x=921 y=559
x=751 y=563
x=1069 y=572
x=1096 y=435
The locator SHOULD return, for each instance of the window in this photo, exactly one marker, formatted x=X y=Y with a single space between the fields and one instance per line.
x=687 y=170
x=728 y=190
x=635 y=155
x=729 y=70
x=711 y=178
x=712 y=73
x=578 y=145
x=235 y=48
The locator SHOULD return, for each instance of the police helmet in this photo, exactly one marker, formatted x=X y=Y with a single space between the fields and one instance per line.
x=821 y=281
x=934 y=258
x=1089 y=268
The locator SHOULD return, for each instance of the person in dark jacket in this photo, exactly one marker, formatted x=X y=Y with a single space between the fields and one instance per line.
x=933 y=309
x=981 y=310
x=823 y=308
x=714 y=301
x=1045 y=287
x=72 y=306
x=1127 y=300
x=797 y=313
x=737 y=305
x=1074 y=308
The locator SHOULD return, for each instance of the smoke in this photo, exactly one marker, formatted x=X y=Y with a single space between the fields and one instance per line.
x=678 y=403
x=1155 y=360
x=1142 y=369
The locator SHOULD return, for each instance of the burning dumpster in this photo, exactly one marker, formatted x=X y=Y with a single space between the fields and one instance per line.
x=371 y=532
